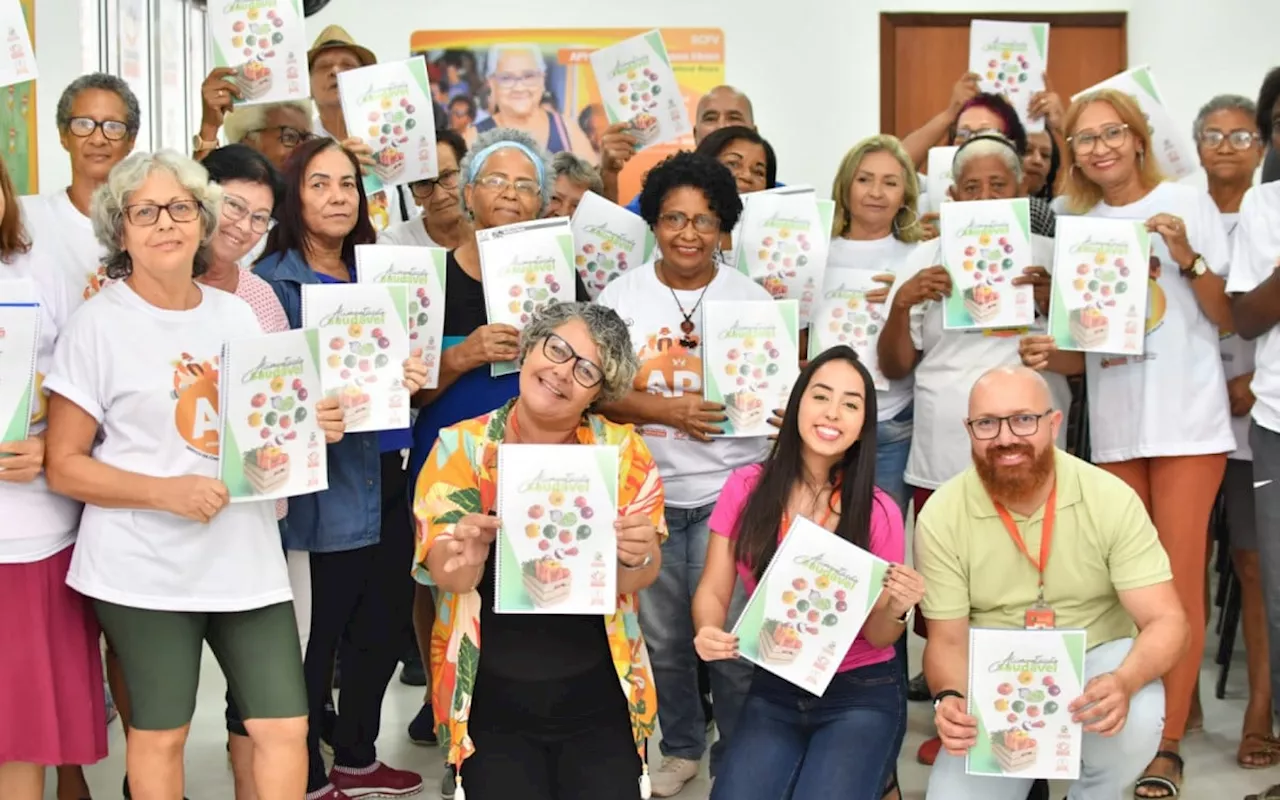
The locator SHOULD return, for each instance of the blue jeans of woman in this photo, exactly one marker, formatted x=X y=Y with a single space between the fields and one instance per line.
x=791 y=745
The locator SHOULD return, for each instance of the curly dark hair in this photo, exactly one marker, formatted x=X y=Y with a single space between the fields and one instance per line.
x=696 y=171
x=1267 y=96
x=719 y=140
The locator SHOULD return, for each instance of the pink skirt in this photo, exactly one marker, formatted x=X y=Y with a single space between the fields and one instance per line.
x=51 y=696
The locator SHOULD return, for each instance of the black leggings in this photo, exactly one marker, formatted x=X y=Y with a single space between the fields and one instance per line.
x=552 y=740
x=361 y=602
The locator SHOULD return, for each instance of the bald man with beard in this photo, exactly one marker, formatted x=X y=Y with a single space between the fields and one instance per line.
x=1104 y=571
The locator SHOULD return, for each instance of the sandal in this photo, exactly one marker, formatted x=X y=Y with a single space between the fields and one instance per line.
x=1159 y=781
x=1258 y=751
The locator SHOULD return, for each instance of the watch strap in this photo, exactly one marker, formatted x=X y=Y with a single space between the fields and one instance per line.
x=944 y=694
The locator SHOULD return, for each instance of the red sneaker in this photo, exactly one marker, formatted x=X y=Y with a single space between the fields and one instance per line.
x=378 y=780
x=927 y=754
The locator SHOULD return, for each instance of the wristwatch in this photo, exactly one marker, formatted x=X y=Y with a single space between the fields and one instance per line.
x=906 y=617
x=199 y=145
x=1198 y=267
x=943 y=695
x=648 y=559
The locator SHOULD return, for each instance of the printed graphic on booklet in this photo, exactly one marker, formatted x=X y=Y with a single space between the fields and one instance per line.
x=421 y=270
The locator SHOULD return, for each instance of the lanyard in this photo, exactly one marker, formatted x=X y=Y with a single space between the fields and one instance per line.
x=786 y=521
x=1046 y=534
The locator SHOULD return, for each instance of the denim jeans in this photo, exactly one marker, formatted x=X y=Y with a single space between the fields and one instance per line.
x=792 y=745
x=666 y=618
x=893 y=444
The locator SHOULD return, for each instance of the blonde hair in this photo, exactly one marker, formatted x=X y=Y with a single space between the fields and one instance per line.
x=1080 y=192
x=906 y=224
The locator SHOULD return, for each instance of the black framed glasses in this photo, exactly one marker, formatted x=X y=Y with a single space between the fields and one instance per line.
x=448 y=180
x=1020 y=425
x=235 y=209
x=676 y=221
x=112 y=129
x=289 y=135
x=1240 y=139
x=585 y=372
x=144 y=215
x=1087 y=141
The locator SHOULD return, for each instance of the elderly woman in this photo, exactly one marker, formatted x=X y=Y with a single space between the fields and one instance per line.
x=747 y=155
x=690 y=201
x=504 y=179
x=572 y=178
x=358 y=532
x=1174 y=458
x=441 y=222
x=51 y=675
x=538 y=713
x=168 y=563
x=517 y=75
x=272 y=129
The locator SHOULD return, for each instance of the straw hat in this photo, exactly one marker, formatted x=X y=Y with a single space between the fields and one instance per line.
x=335 y=36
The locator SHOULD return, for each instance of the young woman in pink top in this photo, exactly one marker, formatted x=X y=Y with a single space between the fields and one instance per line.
x=791 y=744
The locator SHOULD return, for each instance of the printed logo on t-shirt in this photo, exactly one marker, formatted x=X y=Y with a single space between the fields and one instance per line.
x=667 y=367
x=96 y=282
x=195 y=388
x=1156 y=306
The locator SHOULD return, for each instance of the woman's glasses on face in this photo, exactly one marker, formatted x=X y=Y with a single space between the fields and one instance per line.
x=509 y=80
x=83 y=127
x=144 y=215
x=1239 y=139
x=1086 y=142
x=289 y=137
x=500 y=183
x=1020 y=425
x=425 y=188
x=235 y=209
x=676 y=221
x=585 y=372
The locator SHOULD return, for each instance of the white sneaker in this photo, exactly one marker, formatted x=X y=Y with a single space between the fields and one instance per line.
x=671 y=777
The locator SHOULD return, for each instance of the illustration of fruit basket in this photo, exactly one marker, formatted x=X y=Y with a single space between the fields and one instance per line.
x=1089 y=326
x=390 y=163
x=356 y=405
x=779 y=642
x=745 y=409
x=266 y=468
x=1014 y=749
x=254 y=79
x=547 y=580
x=982 y=302
x=645 y=127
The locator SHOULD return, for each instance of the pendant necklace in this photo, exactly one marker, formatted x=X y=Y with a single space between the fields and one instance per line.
x=687 y=326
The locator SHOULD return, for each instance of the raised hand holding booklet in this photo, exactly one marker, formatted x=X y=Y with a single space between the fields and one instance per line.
x=524 y=267
x=1174 y=150
x=1020 y=685
x=265 y=41
x=1010 y=58
x=272 y=445
x=844 y=317
x=364 y=341
x=389 y=107
x=638 y=85
x=19 y=343
x=985 y=245
x=782 y=243
x=608 y=240
x=812 y=601
x=422 y=272
x=751 y=359
x=557 y=551
x=1099 y=300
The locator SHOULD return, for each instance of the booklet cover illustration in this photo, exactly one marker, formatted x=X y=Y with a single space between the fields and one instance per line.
x=810 y=605
x=389 y=106
x=751 y=360
x=421 y=270
x=557 y=548
x=844 y=316
x=19 y=343
x=364 y=339
x=608 y=240
x=271 y=444
x=1010 y=58
x=1099 y=300
x=985 y=245
x=637 y=84
x=265 y=42
x=782 y=243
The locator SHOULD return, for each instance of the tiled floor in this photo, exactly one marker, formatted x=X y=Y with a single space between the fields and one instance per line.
x=1211 y=768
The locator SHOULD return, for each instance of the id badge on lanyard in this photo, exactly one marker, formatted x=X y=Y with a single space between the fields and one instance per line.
x=1039 y=615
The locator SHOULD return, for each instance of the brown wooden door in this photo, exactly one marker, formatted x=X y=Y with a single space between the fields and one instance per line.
x=923 y=55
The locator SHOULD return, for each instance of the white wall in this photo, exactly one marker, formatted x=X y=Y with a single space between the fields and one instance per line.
x=60 y=57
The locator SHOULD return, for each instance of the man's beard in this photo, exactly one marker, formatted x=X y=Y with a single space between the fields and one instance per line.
x=1013 y=484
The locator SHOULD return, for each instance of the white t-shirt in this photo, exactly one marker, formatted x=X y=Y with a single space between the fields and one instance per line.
x=877 y=255
x=37 y=522
x=412 y=233
x=150 y=378
x=693 y=472
x=1171 y=400
x=1256 y=246
x=1237 y=360
x=62 y=239
x=950 y=363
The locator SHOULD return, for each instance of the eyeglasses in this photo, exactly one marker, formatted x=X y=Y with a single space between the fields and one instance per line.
x=585 y=372
x=509 y=80
x=235 y=209
x=1020 y=425
x=965 y=134
x=1087 y=141
x=676 y=221
x=500 y=183
x=144 y=215
x=425 y=188
x=1240 y=139
x=289 y=136
x=83 y=127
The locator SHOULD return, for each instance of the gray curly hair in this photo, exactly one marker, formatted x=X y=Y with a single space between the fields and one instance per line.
x=618 y=359
x=470 y=167
x=110 y=200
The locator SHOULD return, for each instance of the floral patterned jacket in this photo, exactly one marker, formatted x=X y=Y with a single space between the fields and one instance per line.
x=460 y=478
